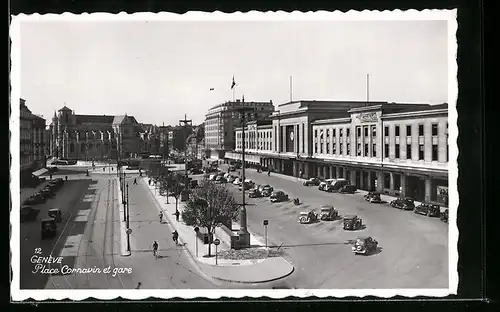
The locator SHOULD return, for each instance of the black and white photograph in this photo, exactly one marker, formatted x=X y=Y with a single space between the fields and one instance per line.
x=208 y=155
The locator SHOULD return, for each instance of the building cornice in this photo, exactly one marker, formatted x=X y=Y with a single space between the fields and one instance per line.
x=416 y=114
x=330 y=121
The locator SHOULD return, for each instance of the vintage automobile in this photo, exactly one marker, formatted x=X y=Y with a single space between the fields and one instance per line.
x=254 y=193
x=35 y=199
x=56 y=214
x=308 y=217
x=212 y=177
x=232 y=168
x=220 y=180
x=322 y=186
x=49 y=228
x=264 y=187
x=237 y=181
x=248 y=184
x=375 y=199
x=444 y=216
x=352 y=222
x=404 y=203
x=348 y=189
x=335 y=185
x=278 y=196
x=365 y=245
x=312 y=182
x=369 y=195
x=29 y=213
x=328 y=213
x=266 y=192
x=230 y=179
x=429 y=210
x=196 y=171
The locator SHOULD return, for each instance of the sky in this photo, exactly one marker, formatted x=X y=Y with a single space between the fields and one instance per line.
x=157 y=71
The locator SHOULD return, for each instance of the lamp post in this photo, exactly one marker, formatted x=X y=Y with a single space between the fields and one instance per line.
x=244 y=236
x=185 y=123
x=128 y=220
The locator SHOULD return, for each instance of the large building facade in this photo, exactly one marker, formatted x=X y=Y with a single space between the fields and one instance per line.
x=33 y=138
x=222 y=119
x=396 y=149
x=94 y=137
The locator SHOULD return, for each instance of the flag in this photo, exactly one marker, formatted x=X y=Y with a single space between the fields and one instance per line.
x=233 y=84
x=212 y=89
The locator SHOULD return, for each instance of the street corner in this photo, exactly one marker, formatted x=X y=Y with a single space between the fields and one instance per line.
x=263 y=271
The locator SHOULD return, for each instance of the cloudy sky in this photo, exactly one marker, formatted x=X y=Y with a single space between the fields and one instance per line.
x=158 y=71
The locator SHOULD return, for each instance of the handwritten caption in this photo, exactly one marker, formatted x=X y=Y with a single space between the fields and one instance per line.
x=44 y=265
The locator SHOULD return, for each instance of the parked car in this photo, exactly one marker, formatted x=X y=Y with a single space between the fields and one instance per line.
x=231 y=168
x=254 y=193
x=352 y=222
x=230 y=179
x=312 y=182
x=335 y=185
x=196 y=171
x=48 y=228
x=212 y=177
x=35 y=199
x=349 y=189
x=237 y=181
x=369 y=195
x=365 y=246
x=444 y=216
x=266 y=192
x=308 y=217
x=248 y=184
x=278 y=196
x=429 y=210
x=322 y=186
x=28 y=213
x=47 y=192
x=328 y=213
x=375 y=199
x=56 y=214
x=265 y=187
x=220 y=179
x=404 y=203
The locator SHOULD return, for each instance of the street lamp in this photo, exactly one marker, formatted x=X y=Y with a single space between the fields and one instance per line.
x=185 y=123
x=244 y=236
x=128 y=221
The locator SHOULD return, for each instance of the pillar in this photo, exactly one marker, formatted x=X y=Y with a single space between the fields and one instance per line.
x=324 y=171
x=331 y=171
x=343 y=173
x=295 y=169
x=318 y=170
x=283 y=137
x=380 y=181
x=403 y=185
x=282 y=165
x=391 y=185
x=369 y=182
x=428 y=186
x=352 y=178
x=338 y=172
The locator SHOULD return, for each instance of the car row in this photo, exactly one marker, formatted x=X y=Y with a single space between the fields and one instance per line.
x=331 y=185
x=45 y=193
x=430 y=210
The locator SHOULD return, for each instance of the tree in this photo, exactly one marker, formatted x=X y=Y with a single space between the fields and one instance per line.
x=172 y=184
x=209 y=206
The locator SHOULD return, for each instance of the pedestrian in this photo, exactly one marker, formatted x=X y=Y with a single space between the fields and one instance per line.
x=269 y=172
x=177 y=214
x=138 y=285
x=104 y=169
x=149 y=181
x=175 y=237
x=155 y=249
x=112 y=169
x=161 y=216
x=66 y=178
x=50 y=176
x=135 y=181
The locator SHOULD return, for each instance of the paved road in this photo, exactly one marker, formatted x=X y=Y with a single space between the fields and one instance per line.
x=414 y=248
x=68 y=200
x=173 y=268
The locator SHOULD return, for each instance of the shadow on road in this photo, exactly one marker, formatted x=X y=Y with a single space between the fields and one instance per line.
x=75 y=200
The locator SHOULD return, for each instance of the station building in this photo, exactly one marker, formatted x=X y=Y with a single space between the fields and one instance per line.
x=395 y=149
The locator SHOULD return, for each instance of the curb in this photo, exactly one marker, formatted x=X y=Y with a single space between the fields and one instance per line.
x=123 y=234
x=255 y=282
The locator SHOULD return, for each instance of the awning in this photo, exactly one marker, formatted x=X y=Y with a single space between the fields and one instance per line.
x=40 y=172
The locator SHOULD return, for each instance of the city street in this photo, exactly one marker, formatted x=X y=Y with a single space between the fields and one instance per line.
x=174 y=267
x=413 y=249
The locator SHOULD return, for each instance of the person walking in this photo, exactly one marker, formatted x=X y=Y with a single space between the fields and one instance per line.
x=177 y=214
x=135 y=180
x=50 y=176
x=161 y=216
x=175 y=237
x=149 y=181
x=155 y=249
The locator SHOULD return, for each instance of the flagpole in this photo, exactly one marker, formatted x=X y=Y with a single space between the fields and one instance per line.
x=367 y=88
x=291 y=86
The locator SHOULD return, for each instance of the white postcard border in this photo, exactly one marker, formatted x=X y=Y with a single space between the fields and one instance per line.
x=449 y=15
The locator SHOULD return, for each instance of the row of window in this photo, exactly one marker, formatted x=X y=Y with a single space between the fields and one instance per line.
x=434 y=130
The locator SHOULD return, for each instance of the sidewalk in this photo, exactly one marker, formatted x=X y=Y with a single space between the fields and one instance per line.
x=241 y=271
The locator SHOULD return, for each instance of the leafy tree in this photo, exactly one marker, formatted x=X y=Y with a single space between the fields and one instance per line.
x=209 y=206
x=172 y=185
